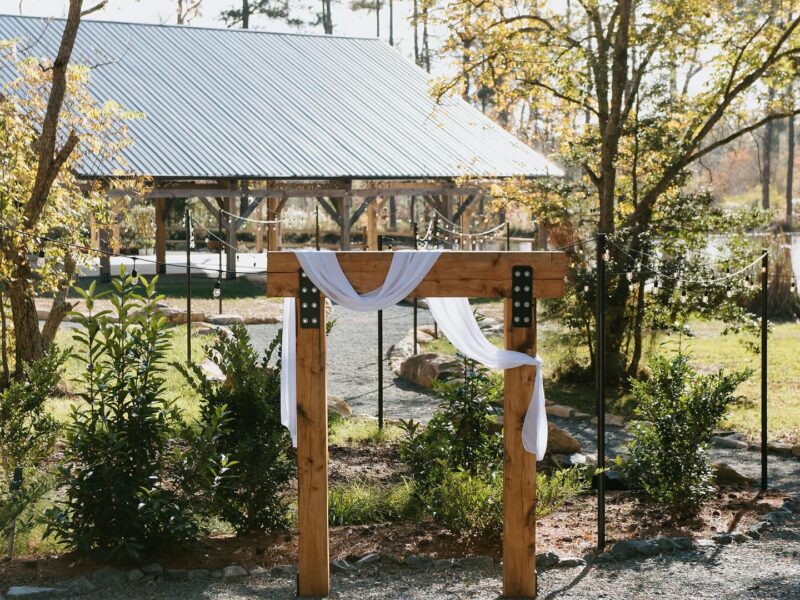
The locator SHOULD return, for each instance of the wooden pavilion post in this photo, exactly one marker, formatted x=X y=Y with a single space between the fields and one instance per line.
x=458 y=273
x=260 y=229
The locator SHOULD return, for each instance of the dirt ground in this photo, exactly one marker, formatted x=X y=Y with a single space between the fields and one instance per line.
x=570 y=531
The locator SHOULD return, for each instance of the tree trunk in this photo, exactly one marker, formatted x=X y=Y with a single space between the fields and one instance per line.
x=29 y=345
x=766 y=160
x=245 y=14
x=416 y=33
x=4 y=340
x=789 y=171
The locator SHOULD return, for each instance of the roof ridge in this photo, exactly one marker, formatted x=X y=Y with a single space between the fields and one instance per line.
x=200 y=28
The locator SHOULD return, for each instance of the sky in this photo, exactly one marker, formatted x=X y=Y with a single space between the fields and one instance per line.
x=346 y=21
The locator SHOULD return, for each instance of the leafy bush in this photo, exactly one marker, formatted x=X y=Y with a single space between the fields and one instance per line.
x=679 y=410
x=456 y=461
x=463 y=433
x=362 y=502
x=136 y=476
x=253 y=498
x=27 y=438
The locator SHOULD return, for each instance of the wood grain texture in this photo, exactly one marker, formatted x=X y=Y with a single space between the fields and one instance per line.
x=470 y=274
x=161 y=235
x=519 y=486
x=312 y=461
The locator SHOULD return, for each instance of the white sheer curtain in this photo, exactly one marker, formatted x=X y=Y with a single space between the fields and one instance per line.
x=453 y=315
x=457 y=322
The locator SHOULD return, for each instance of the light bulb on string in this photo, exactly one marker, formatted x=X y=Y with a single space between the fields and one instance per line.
x=793 y=286
x=705 y=297
x=655 y=285
x=217 y=291
x=134 y=272
x=629 y=276
x=729 y=291
x=586 y=288
x=683 y=296
x=606 y=256
x=40 y=258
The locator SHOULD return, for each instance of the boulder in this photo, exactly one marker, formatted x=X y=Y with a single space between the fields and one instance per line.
x=177 y=316
x=613 y=420
x=212 y=371
x=153 y=569
x=728 y=442
x=569 y=562
x=209 y=329
x=560 y=442
x=547 y=560
x=260 y=320
x=78 y=585
x=779 y=447
x=796 y=450
x=477 y=562
x=339 y=406
x=424 y=369
x=198 y=574
x=31 y=591
x=108 y=579
x=134 y=575
x=341 y=566
x=559 y=410
x=368 y=559
x=225 y=319
x=572 y=460
x=233 y=572
x=404 y=349
x=727 y=475
x=624 y=550
x=418 y=561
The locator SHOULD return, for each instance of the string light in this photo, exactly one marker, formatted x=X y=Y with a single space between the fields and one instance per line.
x=793 y=286
x=217 y=291
x=40 y=258
x=705 y=297
x=134 y=272
x=606 y=256
x=728 y=291
x=683 y=296
x=629 y=276
x=655 y=285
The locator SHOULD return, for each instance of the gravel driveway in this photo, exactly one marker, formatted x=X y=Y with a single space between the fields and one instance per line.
x=766 y=569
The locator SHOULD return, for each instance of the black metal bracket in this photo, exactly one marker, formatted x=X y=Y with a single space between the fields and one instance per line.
x=522 y=296
x=309 y=303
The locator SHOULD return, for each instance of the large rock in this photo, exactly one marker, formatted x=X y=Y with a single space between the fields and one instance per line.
x=339 y=406
x=261 y=320
x=613 y=420
x=560 y=442
x=177 y=316
x=424 y=369
x=209 y=329
x=212 y=371
x=728 y=442
x=225 y=319
x=404 y=349
x=559 y=410
x=108 y=579
x=727 y=475
x=31 y=591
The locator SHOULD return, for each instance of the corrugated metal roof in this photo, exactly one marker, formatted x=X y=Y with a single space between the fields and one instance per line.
x=221 y=103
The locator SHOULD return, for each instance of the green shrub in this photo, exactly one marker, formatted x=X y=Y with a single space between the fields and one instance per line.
x=253 y=498
x=679 y=409
x=27 y=437
x=456 y=461
x=466 y=503
x=463 y=434
x=363 y=502
x=136 y=476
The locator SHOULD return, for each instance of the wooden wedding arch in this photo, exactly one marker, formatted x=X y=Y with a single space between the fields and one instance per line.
x=519 y=278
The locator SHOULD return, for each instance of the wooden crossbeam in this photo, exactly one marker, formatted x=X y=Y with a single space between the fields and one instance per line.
x=286 y=192
x=469 y=274
x=330 y=209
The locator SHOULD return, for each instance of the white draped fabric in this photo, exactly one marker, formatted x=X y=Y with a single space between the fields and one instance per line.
x=453 y=315
x=457 y=322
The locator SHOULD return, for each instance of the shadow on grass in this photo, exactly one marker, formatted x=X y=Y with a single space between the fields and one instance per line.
x=175 y=286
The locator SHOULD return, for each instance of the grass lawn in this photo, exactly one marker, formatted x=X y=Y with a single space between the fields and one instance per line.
x=709 y=350
x=176 y=388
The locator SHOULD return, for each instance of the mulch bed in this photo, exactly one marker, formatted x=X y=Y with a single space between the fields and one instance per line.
x=570 y=531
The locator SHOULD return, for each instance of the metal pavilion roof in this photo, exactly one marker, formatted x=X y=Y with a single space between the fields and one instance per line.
x=221 y=103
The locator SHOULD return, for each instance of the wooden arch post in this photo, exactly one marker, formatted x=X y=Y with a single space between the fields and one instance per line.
x=455 y=274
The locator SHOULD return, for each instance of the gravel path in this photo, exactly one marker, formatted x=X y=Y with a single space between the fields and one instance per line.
x=767 y=569
x=353 y=376
x=353 y=362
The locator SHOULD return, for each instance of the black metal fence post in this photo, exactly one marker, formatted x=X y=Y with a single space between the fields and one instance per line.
x=415 y=233
x=380 y=355
x=508 y=236
x=188 y=285
x=764 y=310
x=600 y=390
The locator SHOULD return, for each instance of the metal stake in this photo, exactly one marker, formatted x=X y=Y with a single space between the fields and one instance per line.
x=600 y=389
x=508 y=236
x=380 y=355
x=764 y=310
x=415 y=233
x=189 y=285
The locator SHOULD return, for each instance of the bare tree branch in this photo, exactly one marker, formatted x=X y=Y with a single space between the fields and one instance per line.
x=99 y=6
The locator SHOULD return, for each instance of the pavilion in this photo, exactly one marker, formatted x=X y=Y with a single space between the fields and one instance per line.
x=236 y=117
